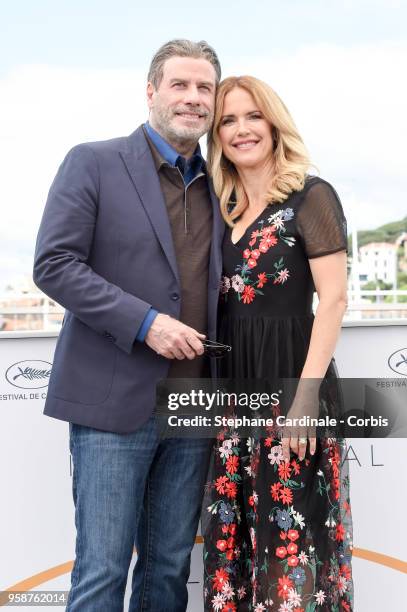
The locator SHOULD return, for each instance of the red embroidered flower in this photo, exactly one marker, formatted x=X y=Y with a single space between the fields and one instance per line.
x=275 y=490
x=232 y=529
x=246 y=253
x=284 y=584
x=221 y=545
x=284 y=470
x=296 y=467
x=281 y=552
x=230 y=554
x=255 y=254
x=232 y=464
x=262 y=279
x=286 y=495
x=229 y=607
x=283 y=535
x=252 y=263
x=221 y=576
x=248 y=294
x=292 y=561
x=221 y=483
x=231 y=542
x=293 y=535
x=231 y=489
x=340 y=533
x=268 y=231
x=292 y=548
x=344 y=570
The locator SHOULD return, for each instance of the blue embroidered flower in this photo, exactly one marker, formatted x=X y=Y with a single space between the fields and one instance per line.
x=226 y=513
x=298 y=575
x=284 y=520
x=288 y=214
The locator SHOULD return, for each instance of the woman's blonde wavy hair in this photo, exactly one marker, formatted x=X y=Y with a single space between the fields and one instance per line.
x=289 y=155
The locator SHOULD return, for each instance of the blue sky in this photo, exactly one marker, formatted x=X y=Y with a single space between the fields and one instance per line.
x=74 y=71
x=102 y=33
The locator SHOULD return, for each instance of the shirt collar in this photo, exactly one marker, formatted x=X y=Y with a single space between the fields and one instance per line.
x=195 y=163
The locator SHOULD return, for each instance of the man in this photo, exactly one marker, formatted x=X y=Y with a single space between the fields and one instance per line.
x=129 y=244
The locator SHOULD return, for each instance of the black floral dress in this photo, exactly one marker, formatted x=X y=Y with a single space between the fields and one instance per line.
x=277 y=536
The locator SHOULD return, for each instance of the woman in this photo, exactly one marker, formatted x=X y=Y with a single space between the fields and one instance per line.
x=276 y=518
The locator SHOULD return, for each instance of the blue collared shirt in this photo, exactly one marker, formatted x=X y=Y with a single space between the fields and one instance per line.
x=189 y=168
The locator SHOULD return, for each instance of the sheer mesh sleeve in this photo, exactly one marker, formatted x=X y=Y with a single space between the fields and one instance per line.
x=321 y=222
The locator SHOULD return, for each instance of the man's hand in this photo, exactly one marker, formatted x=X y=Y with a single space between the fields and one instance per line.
x=174 y=340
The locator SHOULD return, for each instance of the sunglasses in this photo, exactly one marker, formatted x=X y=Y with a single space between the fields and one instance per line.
x=215 y=349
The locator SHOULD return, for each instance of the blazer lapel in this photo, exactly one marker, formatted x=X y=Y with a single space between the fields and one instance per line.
x=218 y=230
x=140 y=166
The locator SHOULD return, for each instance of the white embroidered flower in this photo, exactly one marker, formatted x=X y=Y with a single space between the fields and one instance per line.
x=235 y=438
x=218 y=601
x=275 y=216
x=303 y=558
x=285 y=607
x=269 y=602
x=226 y=449
x=249 y=470
x=260 y=607
x=237 y=283
x=299 y=519
x=241 y=592
x=320 y=473
x=294 y=597
x=250 y=444
x=342 y=585
x=224 y=284
x=227 y=590
x=276 y=454
x=320 y=597
x=283 y=275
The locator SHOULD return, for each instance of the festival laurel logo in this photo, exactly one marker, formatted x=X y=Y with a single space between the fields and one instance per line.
x=29 y=374
x=398 y=361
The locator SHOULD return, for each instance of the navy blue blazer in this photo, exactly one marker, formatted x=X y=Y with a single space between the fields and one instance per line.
x=105 y=253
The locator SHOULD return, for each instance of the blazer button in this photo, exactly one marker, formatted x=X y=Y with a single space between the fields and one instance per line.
x=175 y=296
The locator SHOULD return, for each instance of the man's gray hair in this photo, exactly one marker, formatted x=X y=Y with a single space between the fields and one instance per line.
x=180 y=47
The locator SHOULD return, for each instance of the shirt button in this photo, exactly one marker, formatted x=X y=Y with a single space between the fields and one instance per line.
x=175 y=296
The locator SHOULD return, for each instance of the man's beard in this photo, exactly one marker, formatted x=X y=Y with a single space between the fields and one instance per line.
x=164 y=121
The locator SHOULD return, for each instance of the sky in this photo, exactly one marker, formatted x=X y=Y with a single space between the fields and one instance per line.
x=75 y=71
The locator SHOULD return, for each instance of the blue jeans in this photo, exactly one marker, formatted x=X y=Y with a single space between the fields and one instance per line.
x=134 y=490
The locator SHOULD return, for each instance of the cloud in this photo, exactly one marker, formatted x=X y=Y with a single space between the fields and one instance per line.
x=349 y=105
x=348 y=102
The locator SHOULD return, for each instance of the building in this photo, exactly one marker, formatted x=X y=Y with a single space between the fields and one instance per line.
x=378 y=261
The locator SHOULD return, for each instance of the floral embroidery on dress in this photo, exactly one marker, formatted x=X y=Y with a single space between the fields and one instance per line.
x=295 y=587
x=247 y=282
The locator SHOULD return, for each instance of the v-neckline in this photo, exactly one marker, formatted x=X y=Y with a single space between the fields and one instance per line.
x=248 y=227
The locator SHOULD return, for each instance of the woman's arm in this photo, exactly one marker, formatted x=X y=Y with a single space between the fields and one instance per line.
x=329 y=274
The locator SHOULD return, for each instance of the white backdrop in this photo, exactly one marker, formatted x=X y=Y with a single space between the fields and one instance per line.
x=37 y=533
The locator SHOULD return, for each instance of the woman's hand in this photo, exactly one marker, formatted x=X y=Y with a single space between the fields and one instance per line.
x=295 y=434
